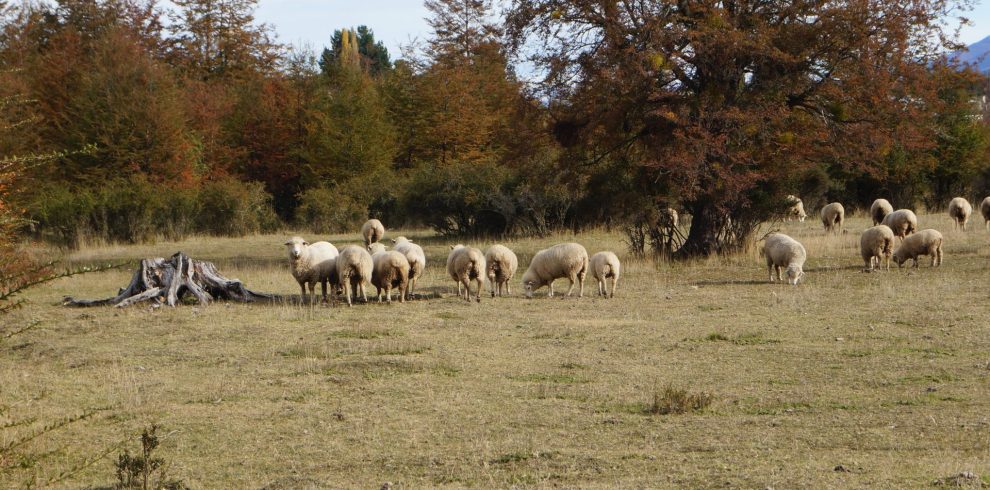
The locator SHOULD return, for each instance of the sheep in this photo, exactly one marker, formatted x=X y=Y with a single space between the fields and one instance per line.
x=354 y=269
x=500 y=265
x=390 y=270
x=372 y=231
x=879 y=210
x=311 y=264
x=568 y=260
x=832 y=217
x=780 y=251
x=465 y=264
x=876 y=244
x=959 y=211
x=375 y=248
x=902 y=222
x=985 y=211
x=417 y=260
x=605 y=265
x=795 y=208
x=668 y=217
x=924 y=242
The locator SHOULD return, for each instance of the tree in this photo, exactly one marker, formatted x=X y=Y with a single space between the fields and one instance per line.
x=219 y=38
x=374 y=55
x=726 y=105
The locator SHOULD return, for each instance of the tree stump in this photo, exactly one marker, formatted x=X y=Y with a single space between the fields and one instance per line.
x=168 y=281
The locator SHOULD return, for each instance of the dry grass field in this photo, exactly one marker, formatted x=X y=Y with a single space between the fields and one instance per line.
x=847 y=380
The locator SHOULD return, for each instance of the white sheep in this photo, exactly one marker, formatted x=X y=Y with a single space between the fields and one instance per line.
x=605 y=265
x=312 y=263
x=782 y=251
x=668 y=217
x=879 y=210
x=985 y=211
x=833 y=215
x=372 y=231
x=568 y=260
x=354 y=269
x=501 y=264
x=376 y=248
x=876 y=245
x=924 y=242
x=795 y=208
x=466 y=264
x=390 y=270
x=416 y=257
x=902 y=222
x=959 y=211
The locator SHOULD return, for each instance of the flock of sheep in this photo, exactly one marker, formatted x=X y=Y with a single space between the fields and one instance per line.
x=876 y=243
x=400 y=268
x=354 y=266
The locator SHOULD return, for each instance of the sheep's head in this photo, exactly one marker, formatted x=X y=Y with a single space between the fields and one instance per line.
x=376 y=248
x=296 y=245
x=528 y=288
x=400 y=239
x=898 y=257
x=794 y=274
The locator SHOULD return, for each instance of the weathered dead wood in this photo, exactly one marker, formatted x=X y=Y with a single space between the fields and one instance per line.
x=170 y=280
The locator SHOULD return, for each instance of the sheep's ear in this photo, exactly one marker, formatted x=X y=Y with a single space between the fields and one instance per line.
x=305 y=242
x=288 y=242
x=451 y=247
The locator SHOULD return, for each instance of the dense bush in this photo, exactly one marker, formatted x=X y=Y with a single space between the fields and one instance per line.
x=136 y=211
x=323 y=210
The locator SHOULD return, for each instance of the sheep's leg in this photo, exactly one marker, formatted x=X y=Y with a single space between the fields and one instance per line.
x=348 y=286
x=459 y=284
x=467 y=288
x=508 y=288
x=570 y=289
x=615 y=281
x=581 y=275
x=323 y=289
x=481 y=285
x=364 y=291
x=939 y=255
x=601 y=284
x=302 y=294
x=550 y=285
x=388 y=293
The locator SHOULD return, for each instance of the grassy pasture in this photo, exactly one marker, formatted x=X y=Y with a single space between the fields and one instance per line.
x=883 y=374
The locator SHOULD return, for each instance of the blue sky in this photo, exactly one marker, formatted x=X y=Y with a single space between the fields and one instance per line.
x=397 y=22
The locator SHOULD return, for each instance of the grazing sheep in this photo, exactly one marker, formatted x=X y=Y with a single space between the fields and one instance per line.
x=985 y=211
x=879 y=210
x=501 y=264
x=372 y=231
x=668 y=217
x=311 y=264
x=780 y=251
x=605 y=265
x=876 y=245
x=354 y=269
x=924 y=242
x=832 y=217
x=390 y=270
x=417 y=260
x=796 y=208
x=959 y=211
x=902 y=222
x=568 y=260
x=465 y=264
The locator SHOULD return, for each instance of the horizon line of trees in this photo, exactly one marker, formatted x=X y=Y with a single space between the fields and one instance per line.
x=194 y=120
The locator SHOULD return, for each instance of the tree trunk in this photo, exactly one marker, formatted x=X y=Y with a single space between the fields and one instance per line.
x=168 y=281
x=706 y=234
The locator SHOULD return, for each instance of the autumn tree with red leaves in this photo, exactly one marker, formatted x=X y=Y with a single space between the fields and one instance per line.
x=724 y=106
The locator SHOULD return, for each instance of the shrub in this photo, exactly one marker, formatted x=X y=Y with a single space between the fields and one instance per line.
x=326 y=211
x=228 y=207
x=673 y=400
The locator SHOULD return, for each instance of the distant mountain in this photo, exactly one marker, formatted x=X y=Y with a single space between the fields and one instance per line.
x=978 y=54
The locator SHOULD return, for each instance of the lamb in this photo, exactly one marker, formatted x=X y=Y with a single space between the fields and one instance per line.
x=832 y=217
x=780 y=251
x=417 y=260
x=605 y=265
x=390 y=270
x=568 y=260
x=959 y=211
x=924 y=242
x=501 y=264
x=465 y=264
x=876 y=243
x=902 y=222
x=372 y=231
x=879 y=210
x=985 y=211
x=796 y=208
x=354 y=269
x=311 y=264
